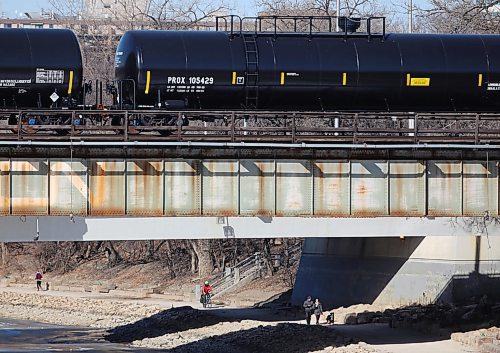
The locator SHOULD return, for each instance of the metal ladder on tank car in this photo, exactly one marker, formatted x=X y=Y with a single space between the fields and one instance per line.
x=252 y=71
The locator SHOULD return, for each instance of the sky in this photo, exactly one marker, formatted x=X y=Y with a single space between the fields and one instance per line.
x=12 y=8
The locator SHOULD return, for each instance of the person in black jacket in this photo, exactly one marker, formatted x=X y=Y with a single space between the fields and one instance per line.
x=309 y=309
x=318 y=310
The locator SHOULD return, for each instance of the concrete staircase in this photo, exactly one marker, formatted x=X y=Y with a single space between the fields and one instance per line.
x=242 y=273
x=249 y=269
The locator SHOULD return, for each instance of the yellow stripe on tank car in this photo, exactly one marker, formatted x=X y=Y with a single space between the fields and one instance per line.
x=344 y=79
x=282 y=79
x=408 y=79
x=234 y=78
x=148 y=81
x=480 y=80
x=70 y=85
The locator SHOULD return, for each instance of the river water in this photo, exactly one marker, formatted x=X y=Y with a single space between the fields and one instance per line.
x=26 y=336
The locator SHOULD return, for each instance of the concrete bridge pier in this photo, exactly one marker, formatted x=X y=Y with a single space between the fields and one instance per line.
x=398 y=271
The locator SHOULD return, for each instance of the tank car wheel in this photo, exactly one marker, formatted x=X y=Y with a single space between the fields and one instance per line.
x=63 y=121
x=143 y=120
x=171 y=121
x=13 y=121
x=117 y=121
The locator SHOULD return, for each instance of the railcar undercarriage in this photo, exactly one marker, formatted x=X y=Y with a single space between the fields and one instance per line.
x=250 y=126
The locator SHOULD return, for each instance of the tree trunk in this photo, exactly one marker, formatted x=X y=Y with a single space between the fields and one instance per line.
x=201 y=249
x=88 y=251
x=150 y=250
x=167 y=259
x=5 y=253
x=112 y=255
x=194 y=258
x=267 y=256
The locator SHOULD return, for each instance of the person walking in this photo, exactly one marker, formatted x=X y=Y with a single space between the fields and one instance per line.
x=309 y=309
x=318 y=310
x=38 y=278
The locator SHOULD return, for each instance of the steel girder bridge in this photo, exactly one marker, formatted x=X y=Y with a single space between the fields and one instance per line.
x=248 y=174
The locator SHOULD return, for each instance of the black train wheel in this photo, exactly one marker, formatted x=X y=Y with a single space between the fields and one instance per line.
x=13 y=121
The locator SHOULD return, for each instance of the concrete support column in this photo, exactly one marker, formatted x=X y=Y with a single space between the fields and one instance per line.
x=398 y=271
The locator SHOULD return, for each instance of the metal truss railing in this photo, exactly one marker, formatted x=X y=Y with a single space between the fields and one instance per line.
x=311 y=25
x=251 y=126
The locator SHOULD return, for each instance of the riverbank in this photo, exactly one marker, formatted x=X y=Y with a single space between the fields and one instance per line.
x=179 y=327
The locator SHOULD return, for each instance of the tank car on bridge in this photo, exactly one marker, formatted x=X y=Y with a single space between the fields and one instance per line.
x=311 y=70
x=39 y=69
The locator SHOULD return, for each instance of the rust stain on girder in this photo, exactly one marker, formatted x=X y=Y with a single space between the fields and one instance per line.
x=445 y=188
x=182 y=188
x=29 y=187
x=369 y=188
x=480 y=193
x=262 y=209
x=68 y=187
x=407 y=188
x=4 y=187
x=331 y=183
x=107 y=188
x=144 y=188
x=220 y=188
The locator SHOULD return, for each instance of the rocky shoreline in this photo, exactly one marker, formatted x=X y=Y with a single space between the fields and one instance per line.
x=60 y=310
x=160 y=325
x=180 y=329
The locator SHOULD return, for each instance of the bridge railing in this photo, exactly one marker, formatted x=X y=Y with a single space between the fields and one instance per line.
x=251 y=126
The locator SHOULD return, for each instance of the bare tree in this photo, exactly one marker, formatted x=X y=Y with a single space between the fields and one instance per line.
x=348 y=8
x=100 y=25
x=183 y=14
x=4 y=253
x=461 y=16
x=201 y=250
x=113 y=256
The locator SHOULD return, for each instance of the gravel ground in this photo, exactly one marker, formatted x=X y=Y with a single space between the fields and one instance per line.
x=146 y=324
x=86 y=312
x=181 y=329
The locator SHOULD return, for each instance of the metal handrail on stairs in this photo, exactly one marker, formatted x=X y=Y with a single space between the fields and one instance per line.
x=235 y=274
x=250 y=266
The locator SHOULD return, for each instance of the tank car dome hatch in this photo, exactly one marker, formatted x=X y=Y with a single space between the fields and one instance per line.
x=35 y=64
x=351 y=24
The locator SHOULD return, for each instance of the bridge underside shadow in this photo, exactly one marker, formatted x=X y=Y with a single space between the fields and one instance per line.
x=397 y=271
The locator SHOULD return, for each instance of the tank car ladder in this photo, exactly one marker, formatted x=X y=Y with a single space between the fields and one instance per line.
x=252 y=71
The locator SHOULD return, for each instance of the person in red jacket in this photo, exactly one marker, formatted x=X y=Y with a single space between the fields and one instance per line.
x=206 y=292
x=38 y=278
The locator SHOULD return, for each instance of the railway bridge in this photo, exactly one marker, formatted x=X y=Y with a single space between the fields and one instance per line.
x=391 y=214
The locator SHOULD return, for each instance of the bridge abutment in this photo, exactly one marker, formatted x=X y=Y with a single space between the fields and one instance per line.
x=398 y=271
